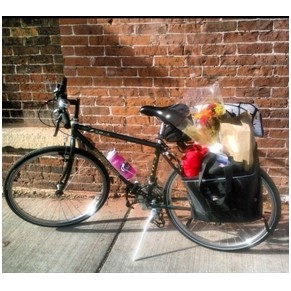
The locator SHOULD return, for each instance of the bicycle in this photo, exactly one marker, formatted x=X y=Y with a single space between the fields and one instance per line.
x=63 y=185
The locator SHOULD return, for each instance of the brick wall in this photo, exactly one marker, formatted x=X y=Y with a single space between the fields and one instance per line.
x=116 y=65
x=32 y=62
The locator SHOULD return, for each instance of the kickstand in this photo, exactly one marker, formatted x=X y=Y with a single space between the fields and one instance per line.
x=152 y=216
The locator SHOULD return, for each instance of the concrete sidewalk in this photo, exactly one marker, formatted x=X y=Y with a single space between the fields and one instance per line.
x=107 y=243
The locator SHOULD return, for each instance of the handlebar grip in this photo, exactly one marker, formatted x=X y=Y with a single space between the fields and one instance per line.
x=66 y=120
x=63 y=86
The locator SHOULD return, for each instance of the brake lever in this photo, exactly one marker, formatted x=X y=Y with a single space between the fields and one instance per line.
x=58 y=125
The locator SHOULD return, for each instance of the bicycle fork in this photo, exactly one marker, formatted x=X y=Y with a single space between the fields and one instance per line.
x=68 y=160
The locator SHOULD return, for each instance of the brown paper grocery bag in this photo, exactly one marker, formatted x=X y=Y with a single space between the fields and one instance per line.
x=237 y=137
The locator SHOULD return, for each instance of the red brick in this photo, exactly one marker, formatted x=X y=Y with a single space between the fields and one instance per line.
x=279 y=133
x=253 y=92
x=255 y=71
x=188 y=27
x=131 y=40
x=153 y=72
x=139 y=101
x=204 y=38
x=169 y=61
x=138 y=82
x=203 y=61
x=89 y=51
x=171 y=39
x=169 y=82
x=77 y=61
x=242 y=60
x=66 y=30
x=122 y=72
x=281 y=24
x=250 y=25
x=271 y=82
x=218 y=49
x=74 y=40
x=90 y=71
x=137 y=61
x=279 y=113
x=155 y=28
x=271 y=59
x=123 y=92
x=220 y=26
x=280 y=92
x=274 y=36
x=278 y=153
x=272 y=102
x=82 y=82
x=105 y=61
x=256 y=48
x=71 y=21
x=233 y=37
x=281 y=48
x=118 y=29
x=107 y=82
x=119 y=51
x=125 y=111
x=186 y=72
x=87 y=29
x=236 y=82
x=150 y=50
x=96 y=110
x=219 y=71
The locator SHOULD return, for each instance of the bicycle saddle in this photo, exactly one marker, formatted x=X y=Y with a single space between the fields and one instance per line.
x=173 y=114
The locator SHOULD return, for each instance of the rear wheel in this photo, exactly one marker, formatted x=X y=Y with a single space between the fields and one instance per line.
x=31 y=187
x=223 y=236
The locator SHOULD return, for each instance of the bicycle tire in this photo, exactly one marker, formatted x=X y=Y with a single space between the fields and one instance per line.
x=223 y=236
x=31 y=184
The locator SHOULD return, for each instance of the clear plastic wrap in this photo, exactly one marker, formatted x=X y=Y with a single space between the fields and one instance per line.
x=206 y=108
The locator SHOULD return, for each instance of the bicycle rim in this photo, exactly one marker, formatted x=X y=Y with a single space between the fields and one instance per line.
x=223 y=236
x=30 y=187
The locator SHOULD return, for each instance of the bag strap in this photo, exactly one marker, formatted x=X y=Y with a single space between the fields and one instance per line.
x=227 y=171
x=204 y=165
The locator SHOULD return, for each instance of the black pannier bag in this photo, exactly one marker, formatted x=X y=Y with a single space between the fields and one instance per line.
x=227 y=194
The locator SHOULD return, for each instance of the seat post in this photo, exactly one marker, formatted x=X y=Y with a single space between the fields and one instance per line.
x=161 y=132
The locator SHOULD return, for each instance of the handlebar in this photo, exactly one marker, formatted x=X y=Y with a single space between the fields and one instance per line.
x=61 y=89
x=62 y=113
x=65 y=117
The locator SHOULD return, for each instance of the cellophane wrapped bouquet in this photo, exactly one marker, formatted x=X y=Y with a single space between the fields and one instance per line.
x=206 y=108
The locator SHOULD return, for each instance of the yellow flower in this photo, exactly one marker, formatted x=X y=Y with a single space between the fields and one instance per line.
x=218 y=110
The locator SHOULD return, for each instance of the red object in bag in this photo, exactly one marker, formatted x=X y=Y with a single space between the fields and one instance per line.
x=192 y=160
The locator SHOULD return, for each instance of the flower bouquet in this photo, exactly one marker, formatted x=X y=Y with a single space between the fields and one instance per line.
x=206 y=115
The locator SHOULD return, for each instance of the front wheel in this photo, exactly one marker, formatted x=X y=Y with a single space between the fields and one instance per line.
x=222 y=236
x=31 y=187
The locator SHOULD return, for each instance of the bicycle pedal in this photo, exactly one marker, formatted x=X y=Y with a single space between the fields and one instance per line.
x=158 y=219
x=129 y=204
x=158 y=223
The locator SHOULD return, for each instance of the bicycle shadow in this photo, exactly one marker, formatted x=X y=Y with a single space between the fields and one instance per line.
x=276 y=244
x=86 y=227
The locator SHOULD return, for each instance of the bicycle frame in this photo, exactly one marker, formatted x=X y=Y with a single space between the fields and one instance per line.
x=160 y=147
